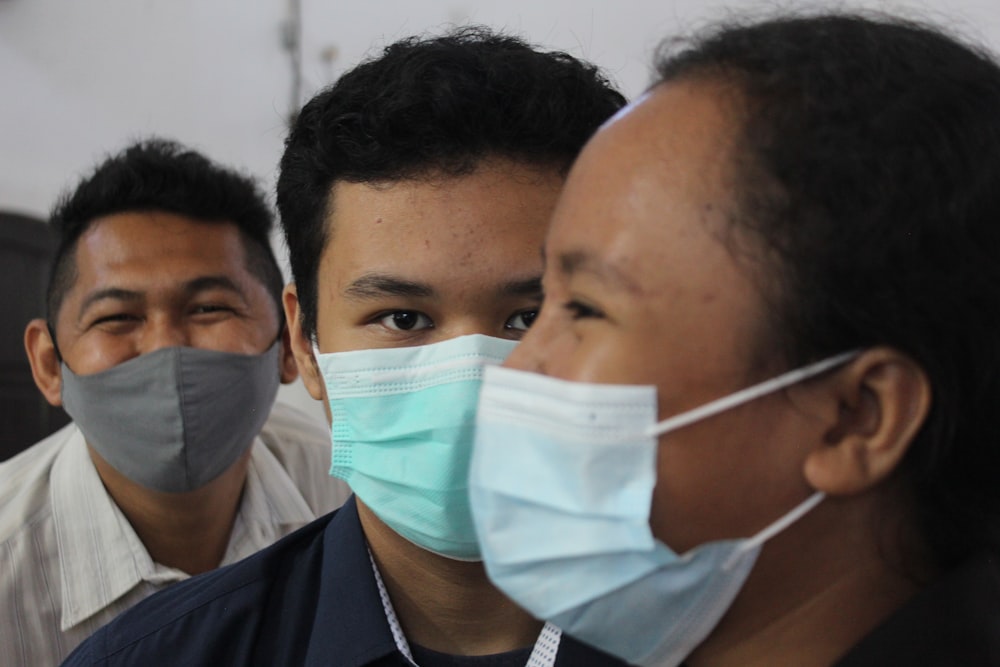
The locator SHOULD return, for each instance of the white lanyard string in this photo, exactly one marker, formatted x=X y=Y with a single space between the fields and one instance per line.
x=542 y=655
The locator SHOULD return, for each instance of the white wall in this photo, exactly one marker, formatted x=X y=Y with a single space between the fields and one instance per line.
x=82 y=77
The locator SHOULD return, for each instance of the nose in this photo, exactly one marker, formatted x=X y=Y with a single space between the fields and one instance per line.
x=534 y=349
x=161 y=332
x=469 y=324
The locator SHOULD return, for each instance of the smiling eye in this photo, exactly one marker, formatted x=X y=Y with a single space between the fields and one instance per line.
x=114 y=318
x=406 y=320
x=209 y=308
x=212 y=313
x=521 y=321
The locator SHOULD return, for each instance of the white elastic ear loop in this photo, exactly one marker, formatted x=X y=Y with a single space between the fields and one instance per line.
x=775 y=528
x=750 y=393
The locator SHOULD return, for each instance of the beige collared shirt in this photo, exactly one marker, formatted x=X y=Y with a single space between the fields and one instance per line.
x=70 y=561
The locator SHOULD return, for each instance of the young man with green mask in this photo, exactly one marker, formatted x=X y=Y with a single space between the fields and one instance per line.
x=414 y=195
x=165 y=342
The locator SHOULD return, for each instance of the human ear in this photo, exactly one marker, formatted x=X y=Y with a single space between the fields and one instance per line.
x=301 y=346
x=878 y=403
x=45 y=364
x=286 y=360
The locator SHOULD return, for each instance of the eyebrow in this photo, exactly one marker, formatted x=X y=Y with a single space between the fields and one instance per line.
x=376 y=285
x=528 y=287
x=107 y=294
x=204 y=283
x=379 y=285
x=200 y=284
x=571 y=263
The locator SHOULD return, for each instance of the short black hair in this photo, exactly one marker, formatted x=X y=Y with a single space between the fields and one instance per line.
x=438 y=105
x=868 y=169
x=157 y=174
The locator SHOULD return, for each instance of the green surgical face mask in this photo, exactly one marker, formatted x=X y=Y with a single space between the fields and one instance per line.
x=403 y=421
x=174 y=419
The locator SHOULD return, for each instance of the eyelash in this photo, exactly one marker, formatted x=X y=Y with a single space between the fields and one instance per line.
x=528 y=316
x=382 y=317
x=195 y=311
x=580 y=311
x=117 y=317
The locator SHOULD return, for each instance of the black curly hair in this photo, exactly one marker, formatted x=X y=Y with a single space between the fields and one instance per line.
x=156 y=174
x=431 y=105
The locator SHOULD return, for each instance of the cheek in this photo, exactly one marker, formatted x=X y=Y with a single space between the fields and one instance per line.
x=241 y=338
x=695 y=486
x=727 y=477
x=95 y=353
x=609 y=358
x=250 y=333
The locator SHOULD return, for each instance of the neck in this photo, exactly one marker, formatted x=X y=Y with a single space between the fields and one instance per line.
x=445 y=605
x=187 y=531
x=815 y=591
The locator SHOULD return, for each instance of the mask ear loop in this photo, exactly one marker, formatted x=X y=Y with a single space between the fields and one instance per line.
x=744 y=396
x=750 y=393
x=770 y=531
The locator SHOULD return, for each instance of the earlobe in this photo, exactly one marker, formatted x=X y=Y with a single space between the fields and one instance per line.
x=300 y=345
x=45 y=365
x=883 y=398
x=287 y=367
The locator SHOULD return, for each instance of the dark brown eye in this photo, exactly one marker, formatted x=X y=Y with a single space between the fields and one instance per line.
x=406 y=320
x=522 y=320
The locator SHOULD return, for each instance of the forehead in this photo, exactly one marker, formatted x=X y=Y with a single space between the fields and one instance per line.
x=155 y=247
x=656 y=176
x=441 y=228
x=134 y=232
x=643 y=227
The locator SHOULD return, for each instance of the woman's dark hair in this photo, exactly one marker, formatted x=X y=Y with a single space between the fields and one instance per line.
x=868 y=168
x=431 y=106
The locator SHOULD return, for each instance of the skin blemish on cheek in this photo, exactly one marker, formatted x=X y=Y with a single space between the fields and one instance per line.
x=707 y=211
x=427 y=243
x=378 y=221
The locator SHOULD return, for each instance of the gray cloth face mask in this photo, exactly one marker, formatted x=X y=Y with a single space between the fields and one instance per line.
x=174 y=419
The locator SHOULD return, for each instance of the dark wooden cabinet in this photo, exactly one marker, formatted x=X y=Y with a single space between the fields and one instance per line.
x=26 y=246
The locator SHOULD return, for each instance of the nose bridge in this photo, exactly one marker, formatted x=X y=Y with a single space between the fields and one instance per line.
x=163 y=330
x=473 y=325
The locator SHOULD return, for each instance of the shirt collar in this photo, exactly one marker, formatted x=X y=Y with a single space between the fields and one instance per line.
x=100 y=556
x=272 y=506
x=350 y=628
x=355 y=634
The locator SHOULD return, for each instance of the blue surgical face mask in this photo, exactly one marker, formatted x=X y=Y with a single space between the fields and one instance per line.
x=174 y=419
x=561 y=485
x=403 y=421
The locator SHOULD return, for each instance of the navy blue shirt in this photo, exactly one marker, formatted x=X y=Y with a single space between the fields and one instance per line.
x=954 y=622
x=309 y=599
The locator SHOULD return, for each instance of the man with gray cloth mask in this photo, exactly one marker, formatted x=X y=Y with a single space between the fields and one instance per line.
x=165 y=341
